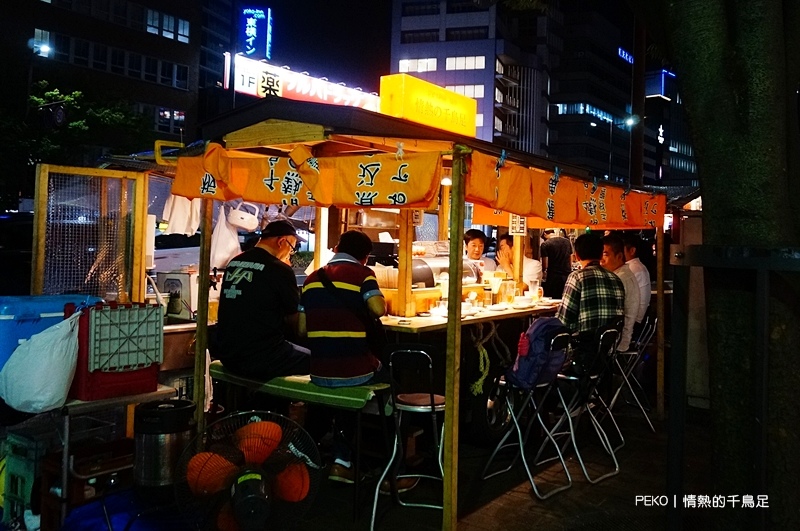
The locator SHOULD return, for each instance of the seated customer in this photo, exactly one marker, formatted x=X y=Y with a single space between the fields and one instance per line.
x=531 y=269
x=614 y=260
x=334 y=316
x=336 y=302
x=258 y=309
x=474 y=245
x=593 y=297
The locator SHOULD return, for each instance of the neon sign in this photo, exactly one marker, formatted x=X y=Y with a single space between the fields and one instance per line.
x=265 y=80
x=255 y=33
x=625 y=55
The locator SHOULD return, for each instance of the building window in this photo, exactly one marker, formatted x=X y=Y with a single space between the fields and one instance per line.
x=82 y=6
x=99 y=56
x=135 y=65
x=41 y=42
x=181 y=77
x=467 y=34
x=152 y=22
x=167 y=73
x=136 y=17
x=479 y=120
x=183 y=30
x=464 y=6
x=408 y=37
x=417 y=9
x=475 y=62
x=118 y=61
x=170 y=121
x=151 y=69
x=168 y=26
x=472 y=91
x=81 y=55
x=100 y=9
x=61 y=45
x=119 y=12
x=417 y=65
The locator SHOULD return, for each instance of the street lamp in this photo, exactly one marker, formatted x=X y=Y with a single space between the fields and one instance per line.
x=630 y=121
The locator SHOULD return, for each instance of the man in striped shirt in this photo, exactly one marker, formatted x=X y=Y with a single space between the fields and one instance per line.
x=335 y=304
x=593 y=297
x=334 y=317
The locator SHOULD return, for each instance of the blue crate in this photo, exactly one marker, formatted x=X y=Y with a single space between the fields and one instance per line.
x=22 y=317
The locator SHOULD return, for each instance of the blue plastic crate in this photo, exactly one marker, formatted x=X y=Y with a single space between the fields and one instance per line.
x=22 y=317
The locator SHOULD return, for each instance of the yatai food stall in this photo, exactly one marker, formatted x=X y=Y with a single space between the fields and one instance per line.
x=277 y=151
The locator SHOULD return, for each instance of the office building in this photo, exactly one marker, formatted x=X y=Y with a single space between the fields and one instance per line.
x=554 y=83
x=144 y=52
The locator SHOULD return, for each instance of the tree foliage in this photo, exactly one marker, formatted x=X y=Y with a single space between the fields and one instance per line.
x=91 y=129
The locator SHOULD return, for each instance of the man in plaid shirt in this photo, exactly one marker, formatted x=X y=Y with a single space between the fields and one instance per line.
x=593 y=297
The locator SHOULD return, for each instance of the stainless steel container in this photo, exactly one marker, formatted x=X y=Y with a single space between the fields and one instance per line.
x=162 y=430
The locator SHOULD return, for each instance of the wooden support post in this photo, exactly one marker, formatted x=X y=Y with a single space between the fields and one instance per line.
x=320 y=234
x=405 y=301
x=39 y=228
x=453 y=374
x=138 y=284
x=444 y=212
x=201 y=342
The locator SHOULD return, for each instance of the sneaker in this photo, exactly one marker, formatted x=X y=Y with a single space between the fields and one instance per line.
x=403 y=485
x=342 y=474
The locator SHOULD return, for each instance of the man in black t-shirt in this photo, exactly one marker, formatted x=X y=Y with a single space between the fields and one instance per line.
x=258 y=305
x=556 y=255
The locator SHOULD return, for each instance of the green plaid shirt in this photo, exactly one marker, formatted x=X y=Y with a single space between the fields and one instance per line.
x=592 y=298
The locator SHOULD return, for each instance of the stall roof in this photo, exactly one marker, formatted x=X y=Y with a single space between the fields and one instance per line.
x=361 y=131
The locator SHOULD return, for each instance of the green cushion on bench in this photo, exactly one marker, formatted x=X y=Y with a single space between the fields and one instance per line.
x=301 y=388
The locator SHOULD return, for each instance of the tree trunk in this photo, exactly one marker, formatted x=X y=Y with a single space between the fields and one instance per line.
x=732 y=61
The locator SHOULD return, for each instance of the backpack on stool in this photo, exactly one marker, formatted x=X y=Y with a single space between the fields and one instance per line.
x=535 y=364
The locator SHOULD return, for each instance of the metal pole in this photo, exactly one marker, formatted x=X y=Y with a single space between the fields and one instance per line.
x=610 y=147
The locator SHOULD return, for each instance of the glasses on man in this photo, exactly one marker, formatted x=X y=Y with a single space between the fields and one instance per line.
x=293 y=248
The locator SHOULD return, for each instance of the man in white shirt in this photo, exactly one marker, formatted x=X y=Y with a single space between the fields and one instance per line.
x=614 y=260
x=531 y=269
x=632 y=245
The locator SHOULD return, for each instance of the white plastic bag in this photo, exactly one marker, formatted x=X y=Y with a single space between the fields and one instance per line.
x=224 y=241
x=39 y=373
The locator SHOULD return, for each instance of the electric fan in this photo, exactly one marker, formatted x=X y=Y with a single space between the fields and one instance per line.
x=249 y=471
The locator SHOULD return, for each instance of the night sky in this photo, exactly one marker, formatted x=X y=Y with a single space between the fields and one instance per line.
x=345 y=41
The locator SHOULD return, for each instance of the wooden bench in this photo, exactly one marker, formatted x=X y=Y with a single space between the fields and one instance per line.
x=300 y=388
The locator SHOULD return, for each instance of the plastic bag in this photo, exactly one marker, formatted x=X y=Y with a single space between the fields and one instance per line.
x=39 y=373
x=224 y=241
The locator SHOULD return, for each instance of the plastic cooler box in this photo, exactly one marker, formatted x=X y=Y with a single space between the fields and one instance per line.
x=22 y=317
x=120 y=348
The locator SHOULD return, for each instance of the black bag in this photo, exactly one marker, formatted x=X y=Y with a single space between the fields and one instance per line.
x=376 y=335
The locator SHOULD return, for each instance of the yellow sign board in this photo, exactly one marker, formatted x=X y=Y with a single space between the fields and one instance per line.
x=411 y=98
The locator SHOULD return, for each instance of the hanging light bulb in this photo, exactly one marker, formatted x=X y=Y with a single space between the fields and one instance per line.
x=446 y=179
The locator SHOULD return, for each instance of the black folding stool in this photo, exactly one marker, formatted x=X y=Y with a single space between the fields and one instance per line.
x=558 y=343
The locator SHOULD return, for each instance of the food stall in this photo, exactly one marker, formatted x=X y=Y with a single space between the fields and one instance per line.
x=297 y=153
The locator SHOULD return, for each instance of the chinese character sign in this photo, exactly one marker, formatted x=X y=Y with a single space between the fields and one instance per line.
x=255 y=33
x=265 y=80
x=385 y=180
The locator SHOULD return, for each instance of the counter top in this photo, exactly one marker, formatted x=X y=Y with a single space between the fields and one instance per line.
x=433 y=323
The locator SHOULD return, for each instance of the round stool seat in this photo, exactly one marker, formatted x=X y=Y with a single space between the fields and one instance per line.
x=419 y=400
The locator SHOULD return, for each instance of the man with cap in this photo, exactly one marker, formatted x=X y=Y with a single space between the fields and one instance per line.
x=258 y=308
x=556 y=255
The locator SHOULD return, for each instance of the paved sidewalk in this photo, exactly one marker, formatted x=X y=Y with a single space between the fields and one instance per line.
x=507 y=502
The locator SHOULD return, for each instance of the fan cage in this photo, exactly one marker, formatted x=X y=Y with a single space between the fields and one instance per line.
x=225 y=438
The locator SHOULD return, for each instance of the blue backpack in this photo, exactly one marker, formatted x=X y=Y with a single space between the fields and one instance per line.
x=536 y=364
